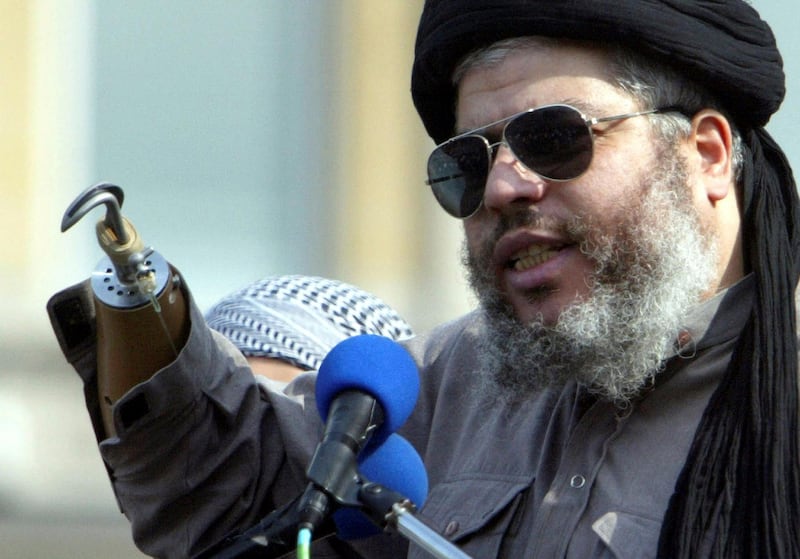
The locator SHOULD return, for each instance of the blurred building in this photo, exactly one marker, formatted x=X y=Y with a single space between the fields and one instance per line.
x=251 y=137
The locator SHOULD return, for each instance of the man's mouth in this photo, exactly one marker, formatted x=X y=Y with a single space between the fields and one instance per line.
x=532 y=256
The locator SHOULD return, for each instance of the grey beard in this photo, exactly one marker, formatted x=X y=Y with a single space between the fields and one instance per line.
x=653 y=269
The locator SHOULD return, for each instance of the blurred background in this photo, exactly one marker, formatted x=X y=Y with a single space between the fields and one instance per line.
x=251 y=137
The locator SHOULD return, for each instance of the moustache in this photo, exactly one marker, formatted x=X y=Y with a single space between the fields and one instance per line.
x=573 y=230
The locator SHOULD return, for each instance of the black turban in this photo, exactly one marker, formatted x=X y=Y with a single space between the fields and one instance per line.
x=738 y=494
x=722 y=44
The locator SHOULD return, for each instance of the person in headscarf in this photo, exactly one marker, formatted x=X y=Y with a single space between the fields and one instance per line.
x=285 y=325
x=628 y=386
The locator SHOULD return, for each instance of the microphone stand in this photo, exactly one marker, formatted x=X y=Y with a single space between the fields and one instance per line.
x=416 y=531
x=389 y=508
x=274 y=536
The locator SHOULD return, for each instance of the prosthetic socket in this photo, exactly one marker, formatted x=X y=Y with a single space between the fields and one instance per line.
x=142 y=320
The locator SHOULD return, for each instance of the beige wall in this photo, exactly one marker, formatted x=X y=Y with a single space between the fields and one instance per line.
x=43 y=159
x=15 y=123
x=391 y=236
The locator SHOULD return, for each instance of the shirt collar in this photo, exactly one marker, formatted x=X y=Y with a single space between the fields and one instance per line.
x=718 y=319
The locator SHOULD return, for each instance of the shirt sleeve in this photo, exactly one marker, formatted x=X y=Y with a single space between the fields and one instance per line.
x=201 y=449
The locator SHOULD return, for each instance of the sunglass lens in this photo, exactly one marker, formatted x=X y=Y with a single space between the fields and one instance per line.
x=457 y=174
x=554 y=142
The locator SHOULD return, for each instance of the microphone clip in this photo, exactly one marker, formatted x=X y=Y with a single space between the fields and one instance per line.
x=383 y=505
x=333 y=471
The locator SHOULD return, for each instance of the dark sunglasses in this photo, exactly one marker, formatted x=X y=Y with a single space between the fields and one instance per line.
x=554 y=141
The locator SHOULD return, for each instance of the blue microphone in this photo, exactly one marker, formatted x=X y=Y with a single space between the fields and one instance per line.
x=366 y=388
x=394 y=465
x=379 y=368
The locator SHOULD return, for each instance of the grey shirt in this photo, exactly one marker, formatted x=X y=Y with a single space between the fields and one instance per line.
x=210 y=450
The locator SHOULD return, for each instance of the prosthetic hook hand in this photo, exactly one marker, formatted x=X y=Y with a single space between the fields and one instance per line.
x=142 y=320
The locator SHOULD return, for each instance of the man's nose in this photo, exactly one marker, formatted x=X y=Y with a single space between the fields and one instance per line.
x=511 y=183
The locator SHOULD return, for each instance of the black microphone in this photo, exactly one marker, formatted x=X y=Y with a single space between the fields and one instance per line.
x=366 y=388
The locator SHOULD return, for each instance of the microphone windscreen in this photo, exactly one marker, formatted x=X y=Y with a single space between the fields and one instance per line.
x=378 y=366
x=396 y=465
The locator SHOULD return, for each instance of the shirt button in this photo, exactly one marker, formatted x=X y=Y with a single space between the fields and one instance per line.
x=451 y=528
x=577 y=481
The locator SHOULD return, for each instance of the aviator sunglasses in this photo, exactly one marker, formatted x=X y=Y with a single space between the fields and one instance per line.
x=554 y=141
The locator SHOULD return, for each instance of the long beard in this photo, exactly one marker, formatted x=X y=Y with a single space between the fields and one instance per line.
x=651 y=269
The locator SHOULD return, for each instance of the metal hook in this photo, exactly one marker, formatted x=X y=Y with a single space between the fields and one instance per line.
x=102 y=193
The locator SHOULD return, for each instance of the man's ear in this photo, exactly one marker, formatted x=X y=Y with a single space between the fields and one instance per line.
x=711 y=141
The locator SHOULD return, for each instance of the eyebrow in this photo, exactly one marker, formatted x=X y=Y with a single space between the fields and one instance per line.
x=582 y=106
x=585 y=107
x=463 y=130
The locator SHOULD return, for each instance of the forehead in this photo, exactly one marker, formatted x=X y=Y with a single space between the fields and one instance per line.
x=534 y=76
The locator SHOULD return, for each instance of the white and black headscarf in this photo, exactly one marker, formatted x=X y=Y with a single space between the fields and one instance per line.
x=298 y=319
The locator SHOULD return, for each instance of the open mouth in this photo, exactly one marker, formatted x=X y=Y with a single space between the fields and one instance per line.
x=533 y=256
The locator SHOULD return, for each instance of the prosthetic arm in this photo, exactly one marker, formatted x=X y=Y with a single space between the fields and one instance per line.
x=142 y=317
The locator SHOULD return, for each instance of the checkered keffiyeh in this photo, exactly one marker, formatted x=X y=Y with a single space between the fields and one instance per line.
x=300 y=318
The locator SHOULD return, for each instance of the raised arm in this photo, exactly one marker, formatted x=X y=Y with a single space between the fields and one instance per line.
x=141 y=314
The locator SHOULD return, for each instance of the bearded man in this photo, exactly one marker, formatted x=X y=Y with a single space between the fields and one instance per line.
x=628 y=386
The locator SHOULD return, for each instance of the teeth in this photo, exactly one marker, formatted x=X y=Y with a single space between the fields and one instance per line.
x=533 y=256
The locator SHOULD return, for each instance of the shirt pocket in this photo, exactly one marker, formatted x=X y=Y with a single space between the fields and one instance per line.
x=474 y=512
x=626 y=536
